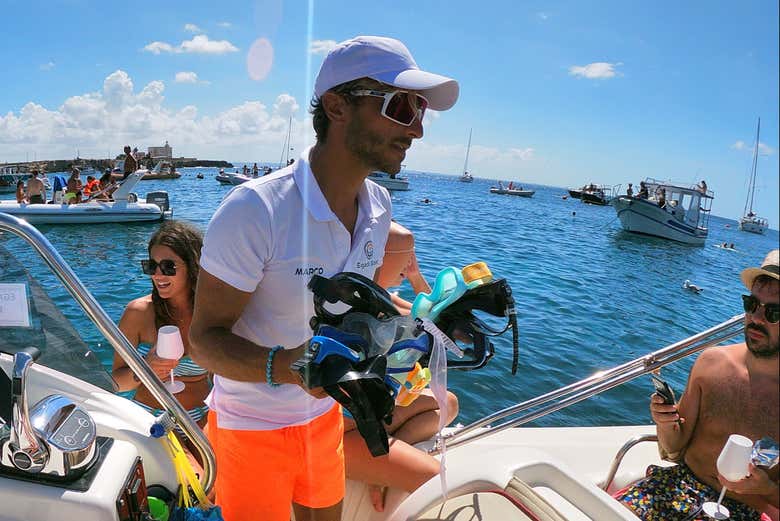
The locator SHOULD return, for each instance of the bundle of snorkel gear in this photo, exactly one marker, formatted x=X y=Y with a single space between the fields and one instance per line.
x=368 y=357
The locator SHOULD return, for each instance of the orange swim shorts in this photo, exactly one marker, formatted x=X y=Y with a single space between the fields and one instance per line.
x=261 y=473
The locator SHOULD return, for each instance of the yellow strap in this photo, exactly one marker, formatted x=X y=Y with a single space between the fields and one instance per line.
x=185 y=475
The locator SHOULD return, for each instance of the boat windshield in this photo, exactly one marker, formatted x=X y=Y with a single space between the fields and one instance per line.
x=31 y=314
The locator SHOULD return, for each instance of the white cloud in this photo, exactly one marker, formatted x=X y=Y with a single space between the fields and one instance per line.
x=225 y=24
x=118 y=114
x=521 y=154
x=186 y=77
x=200 y=44
x=595 y=71
x=192 y=28
x=763 y=149
x=158 y=47
x=322 y=47
x=46 y=66
x=542 y=16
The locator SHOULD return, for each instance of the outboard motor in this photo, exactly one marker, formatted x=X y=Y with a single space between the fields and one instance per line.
x=55 y=439
x=160 y=199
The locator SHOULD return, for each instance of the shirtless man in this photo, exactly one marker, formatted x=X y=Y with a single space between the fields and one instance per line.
x=131 y=164
x=731 y=390
x=36 y=190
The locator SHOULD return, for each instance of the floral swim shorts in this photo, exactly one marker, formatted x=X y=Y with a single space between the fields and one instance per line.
x=675 y=494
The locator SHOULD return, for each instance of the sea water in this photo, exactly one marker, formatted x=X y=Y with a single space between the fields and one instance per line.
x=589 y=295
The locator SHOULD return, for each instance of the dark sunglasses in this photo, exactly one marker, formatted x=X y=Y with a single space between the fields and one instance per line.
x=167 y=267
x=771 y=311
x=399 y=106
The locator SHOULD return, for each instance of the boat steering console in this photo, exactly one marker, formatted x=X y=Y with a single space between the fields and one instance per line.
x=54 y=446
x=55 y=439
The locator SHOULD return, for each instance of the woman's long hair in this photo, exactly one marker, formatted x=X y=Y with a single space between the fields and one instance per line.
x=186 y=241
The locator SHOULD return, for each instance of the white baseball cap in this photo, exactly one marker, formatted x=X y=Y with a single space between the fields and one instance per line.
x=386 y=60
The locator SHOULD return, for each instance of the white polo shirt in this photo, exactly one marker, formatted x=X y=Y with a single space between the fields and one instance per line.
x=268 y=237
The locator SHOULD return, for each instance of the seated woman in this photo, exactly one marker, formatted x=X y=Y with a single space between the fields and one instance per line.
x=404 y=467
x=20 y=195
x=174 y=251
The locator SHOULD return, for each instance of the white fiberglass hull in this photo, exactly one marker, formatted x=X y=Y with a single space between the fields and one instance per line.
x=753 y=224
x=646 y=217
x=84 y=213
x=562 y=465
x=507 y=191
x=398 y=184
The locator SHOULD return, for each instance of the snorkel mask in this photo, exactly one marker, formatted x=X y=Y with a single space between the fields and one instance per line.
x=450 y=305
x=361 y=356
x=352 y=289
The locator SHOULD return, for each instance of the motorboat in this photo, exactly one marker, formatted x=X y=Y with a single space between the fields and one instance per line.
x=10 y=174
x=110 y=461
x=599 y=195
x=681 y=214
x=500 y=190
x=126 y=207
x=750 y=222
x=576 y=193
x=162 y=170
x=392 y=182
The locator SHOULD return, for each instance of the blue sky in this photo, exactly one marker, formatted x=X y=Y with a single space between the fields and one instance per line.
x=557 y=93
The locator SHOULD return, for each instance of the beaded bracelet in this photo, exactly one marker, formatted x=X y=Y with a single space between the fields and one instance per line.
x=269 y=365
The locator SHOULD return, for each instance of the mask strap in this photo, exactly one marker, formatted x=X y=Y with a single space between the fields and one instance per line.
x=438 y=368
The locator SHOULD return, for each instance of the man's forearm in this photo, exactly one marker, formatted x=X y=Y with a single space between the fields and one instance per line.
x=226 y=354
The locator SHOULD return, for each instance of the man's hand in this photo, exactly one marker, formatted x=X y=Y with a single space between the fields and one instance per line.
x=757 y=482
x=283 y=374
x=663 y=414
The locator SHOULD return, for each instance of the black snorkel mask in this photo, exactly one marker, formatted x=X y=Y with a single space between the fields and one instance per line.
x=343 y=363
x=356 y=291
x=458 y=320
x=358 y=385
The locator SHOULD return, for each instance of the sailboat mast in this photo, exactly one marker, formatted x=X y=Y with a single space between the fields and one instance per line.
x=285 y=157
x=752 y=185
x=468 y=148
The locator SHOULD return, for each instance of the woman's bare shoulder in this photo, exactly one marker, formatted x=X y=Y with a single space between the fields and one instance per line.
x=140 y=307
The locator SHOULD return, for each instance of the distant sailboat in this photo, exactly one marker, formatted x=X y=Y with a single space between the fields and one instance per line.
x=466 y=177
x=750 y=222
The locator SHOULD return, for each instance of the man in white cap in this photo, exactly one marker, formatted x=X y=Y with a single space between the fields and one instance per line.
x=731 y=390
x=278 y=443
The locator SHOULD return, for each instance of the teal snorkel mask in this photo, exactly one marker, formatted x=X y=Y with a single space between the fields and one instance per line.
x=451 y=303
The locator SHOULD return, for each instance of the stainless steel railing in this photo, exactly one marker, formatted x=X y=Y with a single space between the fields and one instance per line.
x=116 y=338
x=618 y=459
x=595 y=384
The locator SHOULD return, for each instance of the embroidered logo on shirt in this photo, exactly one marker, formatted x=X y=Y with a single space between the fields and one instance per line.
x=369 y=249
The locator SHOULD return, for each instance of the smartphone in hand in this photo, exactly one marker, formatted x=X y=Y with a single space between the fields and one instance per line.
x=663 y=389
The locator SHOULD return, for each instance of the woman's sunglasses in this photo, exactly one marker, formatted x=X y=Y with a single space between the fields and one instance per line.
x=167 y=267
x=400 y=106
x=771 y=311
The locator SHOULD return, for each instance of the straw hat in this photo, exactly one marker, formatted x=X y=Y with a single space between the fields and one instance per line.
x=770 y=267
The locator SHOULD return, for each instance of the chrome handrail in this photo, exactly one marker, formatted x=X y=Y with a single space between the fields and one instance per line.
x=641 y=438
x=116 y=338
x=595 y=384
